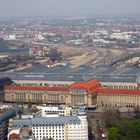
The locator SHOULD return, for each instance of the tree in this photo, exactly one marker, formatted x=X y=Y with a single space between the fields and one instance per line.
x=137 y=112
x=29 y=104
x=127 y=129
x=110 y=116
x=113 y=134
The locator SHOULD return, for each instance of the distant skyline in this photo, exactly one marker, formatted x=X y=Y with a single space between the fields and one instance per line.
x=20 y=8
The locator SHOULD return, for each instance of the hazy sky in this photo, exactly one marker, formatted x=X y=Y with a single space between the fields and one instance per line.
x=68 y=7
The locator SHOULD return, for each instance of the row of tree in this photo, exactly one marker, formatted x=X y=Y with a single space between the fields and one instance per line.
x=125 y=129
x=122 y=128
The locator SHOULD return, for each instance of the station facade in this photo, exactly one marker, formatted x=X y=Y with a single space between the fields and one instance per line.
x=89 y=93
x=77 y=93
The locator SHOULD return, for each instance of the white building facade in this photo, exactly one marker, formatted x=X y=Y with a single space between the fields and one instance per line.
x=54 y=111
x=57 y=128
x=79 y=132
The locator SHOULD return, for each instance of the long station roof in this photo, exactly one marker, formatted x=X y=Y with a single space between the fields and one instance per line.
x=80 y=74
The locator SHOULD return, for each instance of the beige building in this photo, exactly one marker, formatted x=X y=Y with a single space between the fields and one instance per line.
x=77 y=93
x=118 y=97
x=123 y=94
x=120 y=85
x=57 y=128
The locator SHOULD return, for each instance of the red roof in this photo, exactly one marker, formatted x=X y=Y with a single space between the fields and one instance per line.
x=36 y=88
x=14 y=136
x=37 y=49
x=91 y=86
x=118 y=91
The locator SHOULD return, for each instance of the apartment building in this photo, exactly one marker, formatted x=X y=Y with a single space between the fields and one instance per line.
x=57 y=128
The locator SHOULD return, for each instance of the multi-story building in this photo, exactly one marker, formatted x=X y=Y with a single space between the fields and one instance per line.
x=48 y=111
x=4 y=81
x=77 y=93
x=88 y=93
x=74 y=86
x=24 y=133
x=38 y=51
x=57 y=128
x=118 y=97
x=4 y=121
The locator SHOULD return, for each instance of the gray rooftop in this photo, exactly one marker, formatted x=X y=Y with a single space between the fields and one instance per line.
x=13 y=112
x=118 y=78
x=42 y=77
x=83 y=70
x=52 y=121
x=67 y=70
x=82 y=73
x=45 y=69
